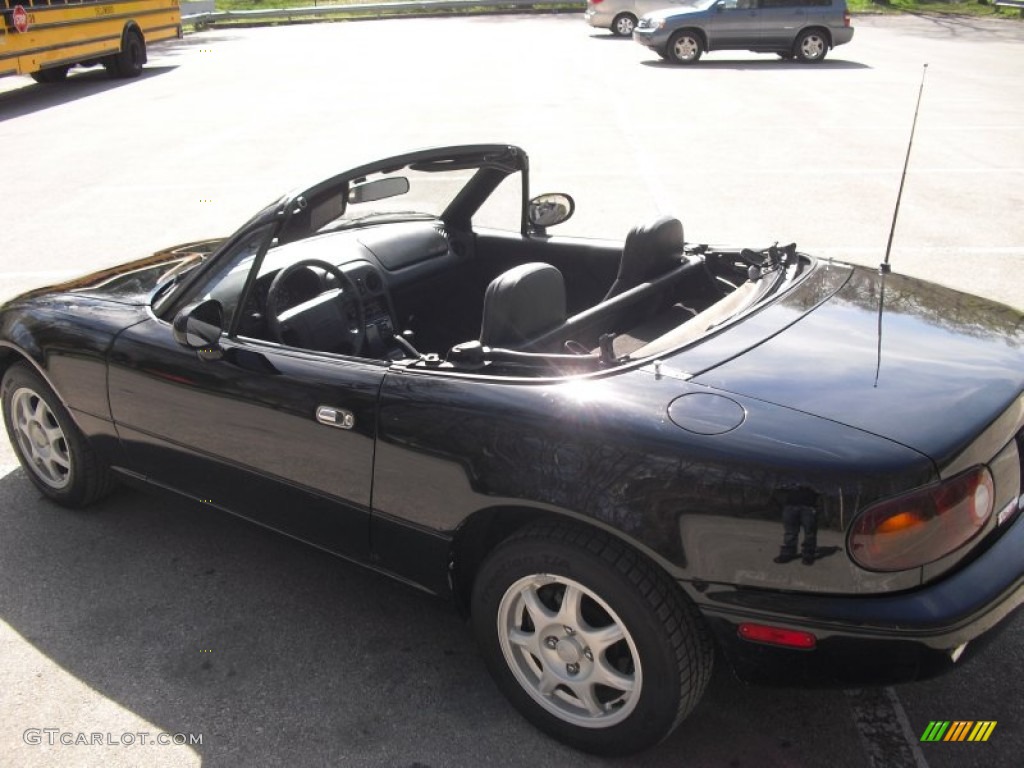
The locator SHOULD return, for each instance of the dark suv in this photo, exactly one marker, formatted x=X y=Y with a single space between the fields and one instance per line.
x=800 y=29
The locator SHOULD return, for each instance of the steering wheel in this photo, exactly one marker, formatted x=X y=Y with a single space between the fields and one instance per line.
x=333 y=321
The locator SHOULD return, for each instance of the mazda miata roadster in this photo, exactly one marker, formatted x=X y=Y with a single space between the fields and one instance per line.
x=619 y=459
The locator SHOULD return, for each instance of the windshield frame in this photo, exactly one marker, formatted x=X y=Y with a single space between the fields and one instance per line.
x=292 y=214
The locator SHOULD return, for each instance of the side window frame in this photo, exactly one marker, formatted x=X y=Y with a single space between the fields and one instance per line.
x=251 y=244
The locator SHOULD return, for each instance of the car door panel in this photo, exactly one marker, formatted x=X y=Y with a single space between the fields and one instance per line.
x=242 y=432
x=733 y=26
x=781 y=21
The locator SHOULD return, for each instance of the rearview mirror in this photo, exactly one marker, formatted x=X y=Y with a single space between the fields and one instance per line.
x=550 y=209
x=199 y=326
x=379 y=189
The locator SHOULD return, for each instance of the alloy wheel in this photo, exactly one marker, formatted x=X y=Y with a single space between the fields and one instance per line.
x=569 y=650
x=41 y=439
x=812 y=47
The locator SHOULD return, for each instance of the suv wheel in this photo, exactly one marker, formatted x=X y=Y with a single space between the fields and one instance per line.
x=811 y=46
x=684 y=47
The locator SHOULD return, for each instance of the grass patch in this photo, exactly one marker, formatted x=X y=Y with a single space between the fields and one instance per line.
x=949 y=7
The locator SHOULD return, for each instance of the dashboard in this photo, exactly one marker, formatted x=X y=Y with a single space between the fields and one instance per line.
x=380 y=260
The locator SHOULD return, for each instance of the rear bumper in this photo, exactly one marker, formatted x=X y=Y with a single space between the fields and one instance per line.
x=877 y=639
x=841 y=36
x=597 y=18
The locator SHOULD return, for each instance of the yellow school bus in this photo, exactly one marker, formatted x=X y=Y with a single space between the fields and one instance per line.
x=45 y=38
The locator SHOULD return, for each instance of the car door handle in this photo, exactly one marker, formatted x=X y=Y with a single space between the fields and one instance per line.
x=335 y=417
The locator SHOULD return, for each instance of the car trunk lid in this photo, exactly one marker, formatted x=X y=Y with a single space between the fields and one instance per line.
x=923 y=365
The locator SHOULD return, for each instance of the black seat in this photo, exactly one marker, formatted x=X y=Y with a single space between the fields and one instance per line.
x=521 y=304
x=650 y=250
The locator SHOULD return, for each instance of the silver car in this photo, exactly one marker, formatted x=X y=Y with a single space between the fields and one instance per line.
x=620 y=16
x=800 y=29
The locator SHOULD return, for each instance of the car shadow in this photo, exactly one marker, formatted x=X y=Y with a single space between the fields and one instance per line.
x=766 y=64
x=180 y=613
x=277 y=653
x=35 y=97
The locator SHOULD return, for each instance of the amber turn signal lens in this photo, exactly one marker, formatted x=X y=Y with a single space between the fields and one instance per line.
x=924 y=525
x=901 y=521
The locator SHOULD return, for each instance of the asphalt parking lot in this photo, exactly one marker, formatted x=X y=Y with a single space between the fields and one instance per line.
x=151 y=615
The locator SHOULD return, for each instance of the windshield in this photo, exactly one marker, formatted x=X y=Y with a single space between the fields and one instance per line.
x=425 y=195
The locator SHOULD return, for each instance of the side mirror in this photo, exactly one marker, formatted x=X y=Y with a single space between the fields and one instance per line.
x=199 y=326
x=551 y=209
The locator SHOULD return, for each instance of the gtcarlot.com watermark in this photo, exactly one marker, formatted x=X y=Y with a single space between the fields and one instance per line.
x=54 y=737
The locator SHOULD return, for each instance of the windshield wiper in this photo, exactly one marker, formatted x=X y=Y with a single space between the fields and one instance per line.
x=172 y=278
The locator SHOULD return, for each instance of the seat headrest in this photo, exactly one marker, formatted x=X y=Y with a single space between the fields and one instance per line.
x=650 y=250
x=521 y=304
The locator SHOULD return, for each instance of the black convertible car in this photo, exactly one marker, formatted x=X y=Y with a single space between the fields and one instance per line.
x=615 y=457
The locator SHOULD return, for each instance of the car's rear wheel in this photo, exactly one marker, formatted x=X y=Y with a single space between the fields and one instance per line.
x=811 y=46
x=623 y=25
x=588 y=639
x=685 y=47
x=55 y=454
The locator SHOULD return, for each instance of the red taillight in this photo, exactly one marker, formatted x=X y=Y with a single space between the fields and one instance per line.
x=924 y=525
x=846 y=17
x=787 y=638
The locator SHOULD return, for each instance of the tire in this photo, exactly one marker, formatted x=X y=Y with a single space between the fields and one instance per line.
x=785 y=55
x=623 y=25
x=52 y=75
x=588 y=639
x=129 y=60
x=685 y=47
x=54 y=453
x=811 y=46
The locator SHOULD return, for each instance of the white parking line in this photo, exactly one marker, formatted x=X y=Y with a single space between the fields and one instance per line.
x=884 y=729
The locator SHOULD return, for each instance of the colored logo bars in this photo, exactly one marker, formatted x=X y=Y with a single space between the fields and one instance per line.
x=958 y=730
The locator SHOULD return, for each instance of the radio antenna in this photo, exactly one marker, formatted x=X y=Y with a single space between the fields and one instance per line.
x=884 y=267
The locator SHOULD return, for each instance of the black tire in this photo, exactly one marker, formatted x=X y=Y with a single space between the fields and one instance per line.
x=685 y=47
x=52 y=75
x=616 y=656
x=811 y=46
x=786 y=55
x=54 y=453
x=129 y=60
x=623 y=25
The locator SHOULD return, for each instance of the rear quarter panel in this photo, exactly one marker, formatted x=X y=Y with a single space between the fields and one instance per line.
x=603 y=450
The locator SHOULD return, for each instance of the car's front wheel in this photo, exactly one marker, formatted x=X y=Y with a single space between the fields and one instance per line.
x=588 y=639
x=55 y=454
x=811 y=46
x=623 y=25
x=685 y=47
